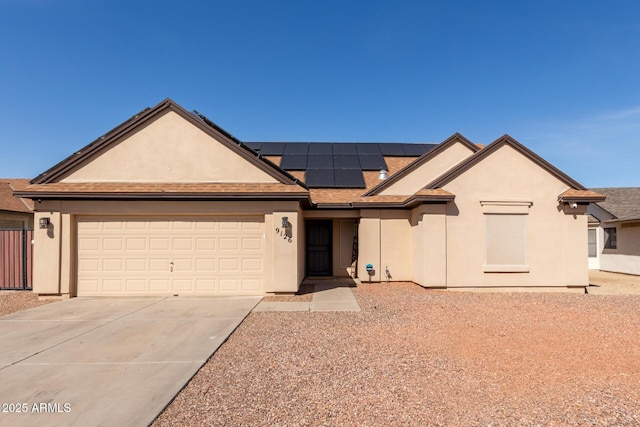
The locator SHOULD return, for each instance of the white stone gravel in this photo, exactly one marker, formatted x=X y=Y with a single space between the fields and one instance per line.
x=422 y=357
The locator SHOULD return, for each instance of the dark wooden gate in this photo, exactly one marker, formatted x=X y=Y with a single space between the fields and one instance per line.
x=16 y=259
x=319 y=248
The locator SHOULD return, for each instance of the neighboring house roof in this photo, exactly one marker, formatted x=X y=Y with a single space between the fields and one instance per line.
x=622 y=202
x=8 y=202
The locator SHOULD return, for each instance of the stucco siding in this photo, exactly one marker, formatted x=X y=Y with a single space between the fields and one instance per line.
x=553 y=238
x=628 y=264
x=169 y=149
x=429 y=171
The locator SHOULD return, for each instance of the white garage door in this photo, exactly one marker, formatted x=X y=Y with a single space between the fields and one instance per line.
x=129 y=256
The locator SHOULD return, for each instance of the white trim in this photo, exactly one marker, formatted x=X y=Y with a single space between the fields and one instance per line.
x=506 y=207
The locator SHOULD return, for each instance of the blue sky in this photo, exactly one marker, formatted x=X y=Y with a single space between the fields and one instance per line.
x=561 y=76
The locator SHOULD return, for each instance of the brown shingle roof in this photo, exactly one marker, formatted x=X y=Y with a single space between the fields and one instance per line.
x=581 y=195
x=346 y=195
x=623 y=202
x=162 y=190
x=8 y=202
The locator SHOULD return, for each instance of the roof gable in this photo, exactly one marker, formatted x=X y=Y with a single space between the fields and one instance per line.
x=425 y=168
x=487 y=151
x=166 y=144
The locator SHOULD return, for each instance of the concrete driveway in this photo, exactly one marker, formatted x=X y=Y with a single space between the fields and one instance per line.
x=107 y=362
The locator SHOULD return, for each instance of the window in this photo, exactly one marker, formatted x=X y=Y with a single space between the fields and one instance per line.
x=506 y=243
x=610 y=238
x=593 y=242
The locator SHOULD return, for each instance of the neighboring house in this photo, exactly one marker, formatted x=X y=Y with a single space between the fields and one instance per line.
x=614 y=231
x=15 y=212
x=16 y=233
x=169 y=203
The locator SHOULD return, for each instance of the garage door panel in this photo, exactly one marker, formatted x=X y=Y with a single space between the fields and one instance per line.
x=159 y=265
x=112 y=265
x=136 y=244
x=136 y=285
x=113 y=286
x=205 y=244
x=136 y=265
x=111 y=244
x=206 y=286
x=251 y=244
x=205 y=265
x=213 y=256
x=229 y=244
x=112 y=226
x=159 y=285
x=89 y=244
x=159 y=244
x=229 y=265
x=133 y=225
x=182 y=244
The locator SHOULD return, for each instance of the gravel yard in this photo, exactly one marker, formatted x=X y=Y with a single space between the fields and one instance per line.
x=12 y=301
x=424 y=357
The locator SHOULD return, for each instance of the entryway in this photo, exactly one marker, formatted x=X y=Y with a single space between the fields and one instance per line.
x=319 y=237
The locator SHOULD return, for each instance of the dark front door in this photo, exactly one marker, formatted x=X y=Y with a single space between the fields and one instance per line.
x=319 y=237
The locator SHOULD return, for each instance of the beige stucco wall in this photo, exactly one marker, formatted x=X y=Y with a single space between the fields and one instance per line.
x=429 y=171
x=429 y=245
x=169 y=149
x=369 y=244
x=556 y=238
x=55 y=248
x=385 y=240
x=47 y=252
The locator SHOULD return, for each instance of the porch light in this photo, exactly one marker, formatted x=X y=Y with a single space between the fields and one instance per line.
x=384 y=174
x=285 y=221
x=44 y=222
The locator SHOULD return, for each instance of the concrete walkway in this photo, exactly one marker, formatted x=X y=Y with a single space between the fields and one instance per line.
x=328 y=295
x=107 y=362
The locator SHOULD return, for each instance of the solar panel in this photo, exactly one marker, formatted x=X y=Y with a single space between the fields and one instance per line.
x=320 y=161
x=320 y=148
x=368 y=148
x=346 y=161
x=294 y=162
x=371 y=162
x=315 y=178
x=296 y=148
x=255 y=146
x=414 y=149
x=349 y=178
x=344 y=148
x=389 y=149
x=270 y=148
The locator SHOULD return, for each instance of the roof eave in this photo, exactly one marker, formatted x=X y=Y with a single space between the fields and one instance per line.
x=69 y=195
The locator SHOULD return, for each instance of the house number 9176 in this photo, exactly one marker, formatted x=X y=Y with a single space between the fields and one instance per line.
x=283 y=234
